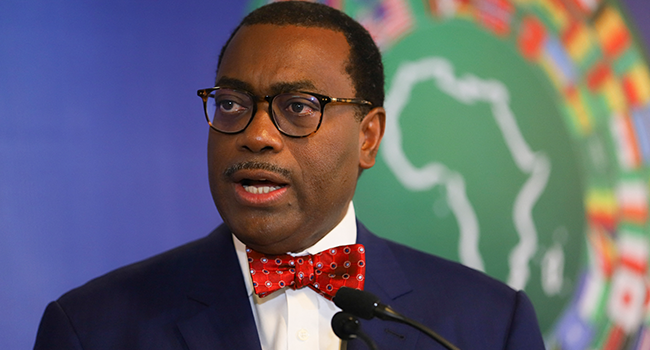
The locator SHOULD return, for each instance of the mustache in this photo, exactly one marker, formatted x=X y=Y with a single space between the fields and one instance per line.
x=252 y=165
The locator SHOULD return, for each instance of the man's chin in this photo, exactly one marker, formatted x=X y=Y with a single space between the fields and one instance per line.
x=262 y=238
x=270 y=248
x=271 y=242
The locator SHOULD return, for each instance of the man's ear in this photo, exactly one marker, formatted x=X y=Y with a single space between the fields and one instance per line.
x=370 y=134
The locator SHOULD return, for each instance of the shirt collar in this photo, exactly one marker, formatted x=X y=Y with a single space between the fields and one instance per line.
x=344 y=233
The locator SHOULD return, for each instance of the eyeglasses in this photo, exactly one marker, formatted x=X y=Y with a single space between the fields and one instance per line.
x=295 y=114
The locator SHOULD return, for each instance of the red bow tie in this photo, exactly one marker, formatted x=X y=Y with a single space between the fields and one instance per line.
x=324 y=272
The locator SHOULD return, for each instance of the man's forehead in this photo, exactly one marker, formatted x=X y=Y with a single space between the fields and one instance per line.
x=298 y=32
x=275 y=88
x=291 y=27
x=267 y=59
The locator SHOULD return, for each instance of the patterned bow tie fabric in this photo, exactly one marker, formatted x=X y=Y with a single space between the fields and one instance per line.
x=325 y=272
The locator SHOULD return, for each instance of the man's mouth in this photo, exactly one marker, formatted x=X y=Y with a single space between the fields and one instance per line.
x=258 y=183
x=260 y=186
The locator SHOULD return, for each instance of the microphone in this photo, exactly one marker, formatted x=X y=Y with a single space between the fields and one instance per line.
x=366 y=305
x=348 y=327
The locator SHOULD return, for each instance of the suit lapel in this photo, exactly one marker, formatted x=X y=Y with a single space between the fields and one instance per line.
x=385 y=279
x=220 y=327
x=225 y=319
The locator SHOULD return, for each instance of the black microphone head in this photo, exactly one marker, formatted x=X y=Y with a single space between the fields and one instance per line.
x=345 y=326
x=357 y=302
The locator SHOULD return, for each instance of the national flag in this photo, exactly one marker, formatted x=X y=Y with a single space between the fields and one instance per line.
x=641 y=118
x=627 y=150
x=578 y=41
x=636 y=84
x=451 y=8
x=613 y=339
x=587 y=7
x=495 y=15
x=557 y=64
x=387 y=21
x=597 y=105
x=591 y=57
x=612 y=32
x=591 y=296
x=633 y=251
x=602 y=254
x=627 y=299
x=578 y=110
x=600 y=204
x=597 y=75
x=556 y=12
x=572 y=332
x=532 y=37
x=613 y=93
x=632 y=197
x=601 y=79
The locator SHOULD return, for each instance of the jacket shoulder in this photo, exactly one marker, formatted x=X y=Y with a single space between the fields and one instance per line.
x=153 y=275
x=156 y=291
x=466 y=306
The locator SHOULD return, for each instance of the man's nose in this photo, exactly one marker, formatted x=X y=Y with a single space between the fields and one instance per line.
x=261 y=135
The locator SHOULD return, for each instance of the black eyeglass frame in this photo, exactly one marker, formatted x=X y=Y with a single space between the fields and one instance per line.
x=323 y=100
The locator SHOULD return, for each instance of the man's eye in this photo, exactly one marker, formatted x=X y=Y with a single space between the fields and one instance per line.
x=300 y=107
x=229 y=106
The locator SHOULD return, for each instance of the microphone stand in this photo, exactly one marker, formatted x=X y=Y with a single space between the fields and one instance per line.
x=366 y=305
x=346 y=326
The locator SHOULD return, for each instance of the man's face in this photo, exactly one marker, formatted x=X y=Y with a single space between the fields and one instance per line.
x=310 y=181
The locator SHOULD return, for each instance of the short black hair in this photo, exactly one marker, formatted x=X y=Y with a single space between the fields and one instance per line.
x=364 y=62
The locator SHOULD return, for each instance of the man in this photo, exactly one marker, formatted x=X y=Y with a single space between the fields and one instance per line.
x=295 y=118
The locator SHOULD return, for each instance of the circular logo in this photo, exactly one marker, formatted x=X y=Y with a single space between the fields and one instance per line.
x=517 y=134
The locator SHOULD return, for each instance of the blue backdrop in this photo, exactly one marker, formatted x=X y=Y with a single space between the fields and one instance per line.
x=103 y=141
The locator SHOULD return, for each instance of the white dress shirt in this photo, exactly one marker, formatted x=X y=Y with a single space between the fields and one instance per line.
x=298 y=319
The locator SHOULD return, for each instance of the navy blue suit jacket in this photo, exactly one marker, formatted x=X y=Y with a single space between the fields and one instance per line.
x=194 y=297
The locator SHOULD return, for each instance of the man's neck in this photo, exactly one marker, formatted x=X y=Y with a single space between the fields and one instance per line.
x=343 y=233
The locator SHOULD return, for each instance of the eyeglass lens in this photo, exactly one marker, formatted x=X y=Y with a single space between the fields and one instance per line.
x=295 y=113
